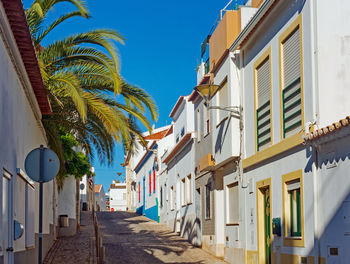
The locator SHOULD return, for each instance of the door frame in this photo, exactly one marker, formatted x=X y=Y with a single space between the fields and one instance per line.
x=8 y=255
x=260 y=187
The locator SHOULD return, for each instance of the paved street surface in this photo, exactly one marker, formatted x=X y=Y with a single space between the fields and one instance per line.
x=76 y=249
x=130 y=238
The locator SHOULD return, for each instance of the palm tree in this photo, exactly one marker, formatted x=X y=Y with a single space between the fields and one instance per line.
x=87 y=94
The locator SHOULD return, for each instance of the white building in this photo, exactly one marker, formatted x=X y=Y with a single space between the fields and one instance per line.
x=117 y=196
x=145 y=171
x=23 y=100
x=100 y=198
x=87 y=196
x=291 y=84
x=178 y=177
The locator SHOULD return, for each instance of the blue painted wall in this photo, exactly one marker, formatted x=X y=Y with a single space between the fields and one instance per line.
x=151 y=213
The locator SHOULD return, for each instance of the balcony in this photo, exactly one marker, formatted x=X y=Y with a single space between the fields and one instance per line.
x=224 y=35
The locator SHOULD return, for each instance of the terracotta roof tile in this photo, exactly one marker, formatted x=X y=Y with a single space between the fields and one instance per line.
x=20 y=29
x=327 y=130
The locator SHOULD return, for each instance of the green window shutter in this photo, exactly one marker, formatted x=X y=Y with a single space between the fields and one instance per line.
x=291 y=94
x=263 y=104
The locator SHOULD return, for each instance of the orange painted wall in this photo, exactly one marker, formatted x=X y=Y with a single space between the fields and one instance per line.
x=224 y=35
x=257 y=3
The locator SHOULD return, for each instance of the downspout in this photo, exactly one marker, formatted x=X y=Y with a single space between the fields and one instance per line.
x=315 y=106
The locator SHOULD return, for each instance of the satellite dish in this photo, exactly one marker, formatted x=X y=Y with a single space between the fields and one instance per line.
x=50 y=165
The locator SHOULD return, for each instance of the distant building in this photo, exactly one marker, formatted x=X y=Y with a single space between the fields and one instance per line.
x=146 y=168
x=100 y=198
x=117 y=196
x=107 y=202
x=86 y=192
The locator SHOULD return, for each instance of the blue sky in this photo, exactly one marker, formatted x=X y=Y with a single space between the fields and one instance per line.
x=161 y=51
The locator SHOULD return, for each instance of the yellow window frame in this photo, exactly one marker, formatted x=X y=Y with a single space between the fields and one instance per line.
x=290 y=29
x=287 y=178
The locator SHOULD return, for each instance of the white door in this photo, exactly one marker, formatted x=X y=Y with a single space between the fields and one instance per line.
x=6 y=218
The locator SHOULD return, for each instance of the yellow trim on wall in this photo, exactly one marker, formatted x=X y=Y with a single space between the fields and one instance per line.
x=258 y=62
x=296 y=23
x=274 y=150
x=251 y=257
x=266 y=183
x=292 y=241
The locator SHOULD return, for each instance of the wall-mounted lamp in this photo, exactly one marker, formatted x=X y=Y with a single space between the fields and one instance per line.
x=207 y=91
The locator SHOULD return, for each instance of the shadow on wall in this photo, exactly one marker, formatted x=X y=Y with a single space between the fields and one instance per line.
x=333 y=179
x=148 y=246
x=190 y=229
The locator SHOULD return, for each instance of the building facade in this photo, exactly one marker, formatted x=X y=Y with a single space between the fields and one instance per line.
x=257 y=168
x=117 y=196
x=179 y=174
x=100 y=198
x=23 y=101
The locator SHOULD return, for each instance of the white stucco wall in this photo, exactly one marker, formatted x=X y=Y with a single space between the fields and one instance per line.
x=66 y=204
x=20 y=133
x=332 y=60
x=100 y=199
x=116 y=197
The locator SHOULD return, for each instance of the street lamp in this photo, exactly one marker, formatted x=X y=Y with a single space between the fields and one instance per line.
x=207 y=91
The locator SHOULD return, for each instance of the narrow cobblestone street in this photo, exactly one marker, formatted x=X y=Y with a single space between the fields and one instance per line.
x=79 y=248
x=130 y=238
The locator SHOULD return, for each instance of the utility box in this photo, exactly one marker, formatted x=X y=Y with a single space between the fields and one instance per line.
x=276 y=226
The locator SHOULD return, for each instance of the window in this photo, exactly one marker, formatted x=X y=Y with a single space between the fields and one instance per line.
x=206 y=121
x=154 y=180
x=139 y=192
x=291 y=80
x=150 y=183
x=172 y=198
x=262 y=77
x=199 y=130
x=177 y=138
x=182 y=131
x=223 y=100
x=161 y=196
x=232 y=204
x=207 y=201
x=189 y=189
x=183 y=191
x=293 y=209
